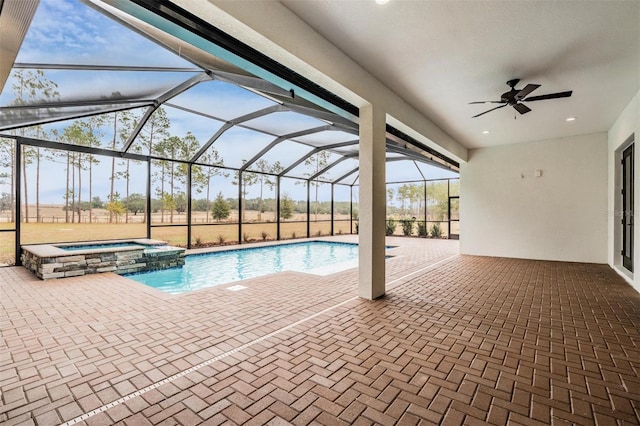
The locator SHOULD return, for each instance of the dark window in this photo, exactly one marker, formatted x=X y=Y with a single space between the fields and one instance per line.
x=627 y=208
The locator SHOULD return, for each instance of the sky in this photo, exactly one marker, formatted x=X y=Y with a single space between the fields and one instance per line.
x=70 y=32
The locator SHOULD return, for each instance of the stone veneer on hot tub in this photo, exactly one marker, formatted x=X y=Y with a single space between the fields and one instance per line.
x=49 y=261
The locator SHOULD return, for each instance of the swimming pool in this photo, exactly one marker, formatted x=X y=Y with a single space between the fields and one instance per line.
x=223 y=267
x=81 y=247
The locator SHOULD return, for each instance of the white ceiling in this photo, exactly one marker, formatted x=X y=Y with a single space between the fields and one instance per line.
x=441 y=55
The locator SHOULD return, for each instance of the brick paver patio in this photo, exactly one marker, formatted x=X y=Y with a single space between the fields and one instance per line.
x=456 y=340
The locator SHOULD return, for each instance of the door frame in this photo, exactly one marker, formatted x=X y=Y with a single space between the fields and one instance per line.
x=627 y=194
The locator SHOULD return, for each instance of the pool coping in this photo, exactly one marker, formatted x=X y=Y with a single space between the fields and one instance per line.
x=54 y=250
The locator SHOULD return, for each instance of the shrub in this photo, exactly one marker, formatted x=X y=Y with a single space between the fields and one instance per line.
x=356 y=227
x=245 y=237
x=220 y=210
x=293 y=234
x=407 y=226
x=264 y=236
x=198 y=241
x=339 y=231
x=422 y=229
x=391 y=227
x=436 y=231
x=221 y=239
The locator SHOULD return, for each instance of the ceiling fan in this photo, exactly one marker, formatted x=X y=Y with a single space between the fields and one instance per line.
x=515 y=97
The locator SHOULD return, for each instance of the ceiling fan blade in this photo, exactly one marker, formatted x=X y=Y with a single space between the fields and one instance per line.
x=549 y=96
x=527 y=89
x=482 y=113
x=486 y=102
x=521 y=108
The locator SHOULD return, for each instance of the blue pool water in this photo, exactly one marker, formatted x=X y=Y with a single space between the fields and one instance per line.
x=211 y=269
x=77 y=247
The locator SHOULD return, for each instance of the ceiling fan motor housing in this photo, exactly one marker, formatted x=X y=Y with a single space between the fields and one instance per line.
x=509 y=97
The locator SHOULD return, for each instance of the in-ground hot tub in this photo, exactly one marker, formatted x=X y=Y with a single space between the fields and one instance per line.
x=123 y=256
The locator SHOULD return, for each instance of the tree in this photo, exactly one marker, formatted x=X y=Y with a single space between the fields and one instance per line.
x=220 y=209
x=97 y=203
x=115 y=206
x=91 y=138
x=7 y=160
x=437 y=200
x=402 y=195
x=155 y=130
x=31 y=87
x=135 y=203
x=248 y=179
x=168 y=149
x=201 y=175
x=38 y=156
x=5 y=201
x=123 y=124
x=317 y=162
x=286 y=207
x=390 y=195
x=415 y=193
x=80 y=132
x=168 y=203
x=263 y=167
x=68 y=194
x=180 y=202
x=160 y=192
x=454 y=187
x=185 y=148
x=71 y=134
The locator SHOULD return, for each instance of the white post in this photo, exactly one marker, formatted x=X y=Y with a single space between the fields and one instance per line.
x=372 y=208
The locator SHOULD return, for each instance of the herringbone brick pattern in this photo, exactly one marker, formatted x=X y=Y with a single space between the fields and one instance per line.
x=471 y=341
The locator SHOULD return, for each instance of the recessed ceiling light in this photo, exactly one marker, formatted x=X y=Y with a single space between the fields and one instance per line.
x=485 y=132
x=382 y=1
x=571 y=119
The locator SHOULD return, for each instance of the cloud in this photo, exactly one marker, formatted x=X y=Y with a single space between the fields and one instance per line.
x=64 y=31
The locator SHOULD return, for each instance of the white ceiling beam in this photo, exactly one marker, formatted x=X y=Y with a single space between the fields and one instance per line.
x=299 y=47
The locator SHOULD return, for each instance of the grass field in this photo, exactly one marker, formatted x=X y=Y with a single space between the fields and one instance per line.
x=175 y=234
x=257 y=227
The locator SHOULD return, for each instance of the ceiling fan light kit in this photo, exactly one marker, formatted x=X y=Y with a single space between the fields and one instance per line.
x=515 y=97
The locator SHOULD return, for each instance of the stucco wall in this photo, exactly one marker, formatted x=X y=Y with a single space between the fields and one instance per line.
x=561 y=215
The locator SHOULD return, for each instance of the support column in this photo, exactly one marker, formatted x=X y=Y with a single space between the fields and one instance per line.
x=278 y=219
x=351 y=209
x=332 y=209
x=148 y=205
x=372 y=208
x=240 y=206
x=17 y=201
x=189 y=203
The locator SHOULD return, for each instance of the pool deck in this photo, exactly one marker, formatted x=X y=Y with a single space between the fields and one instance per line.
x=456 y=340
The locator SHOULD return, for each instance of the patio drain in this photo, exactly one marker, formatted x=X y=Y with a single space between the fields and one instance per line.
x=236 y=287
